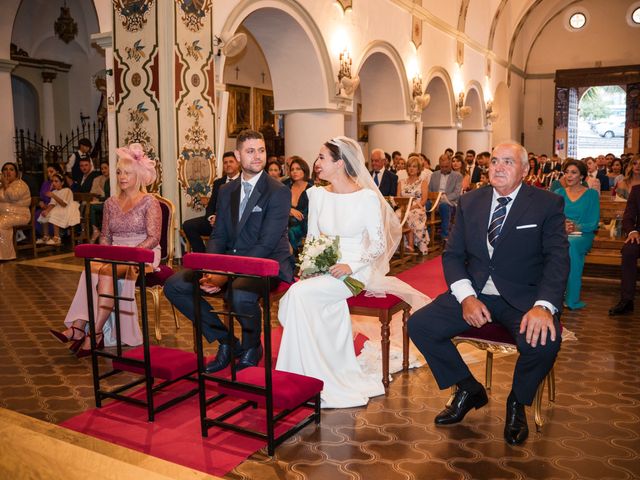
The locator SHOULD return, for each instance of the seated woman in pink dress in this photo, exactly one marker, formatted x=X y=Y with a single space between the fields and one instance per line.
x=131 y=218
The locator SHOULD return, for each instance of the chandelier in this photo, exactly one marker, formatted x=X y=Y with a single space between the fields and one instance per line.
x=65 y=26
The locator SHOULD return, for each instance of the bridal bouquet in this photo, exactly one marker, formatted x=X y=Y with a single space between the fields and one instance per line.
x=318 y=255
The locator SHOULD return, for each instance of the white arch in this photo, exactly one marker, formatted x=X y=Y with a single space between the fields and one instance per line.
x=444 y=79
x=279 y=59
x=475 y=99
x=502 y=125
x=388 y=51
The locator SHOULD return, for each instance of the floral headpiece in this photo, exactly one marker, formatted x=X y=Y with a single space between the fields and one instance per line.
x=145 y=167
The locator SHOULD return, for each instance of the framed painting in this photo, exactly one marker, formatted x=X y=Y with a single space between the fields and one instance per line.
x=239 y=111
x=263 y=108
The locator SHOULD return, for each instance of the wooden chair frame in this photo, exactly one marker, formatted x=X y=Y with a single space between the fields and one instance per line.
x=31 y=226
x=432 y=221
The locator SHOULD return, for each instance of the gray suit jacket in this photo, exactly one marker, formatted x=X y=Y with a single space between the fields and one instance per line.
x=454 y=185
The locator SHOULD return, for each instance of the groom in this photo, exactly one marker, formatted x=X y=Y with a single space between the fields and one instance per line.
x=252 y=219
x=507 y=262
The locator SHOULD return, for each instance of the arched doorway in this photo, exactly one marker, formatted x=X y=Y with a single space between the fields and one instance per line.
x=438 y=130
x=601 y=121
x=26 y=111
x=300 y=88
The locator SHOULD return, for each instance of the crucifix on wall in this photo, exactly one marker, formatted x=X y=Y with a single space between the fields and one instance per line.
x=237 y=72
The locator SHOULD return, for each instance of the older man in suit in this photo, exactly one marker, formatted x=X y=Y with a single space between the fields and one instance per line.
x=251 y=221
x=630 y=253
x=507 y=262
x=386 y=180
x=449 y=183
x=196 y=228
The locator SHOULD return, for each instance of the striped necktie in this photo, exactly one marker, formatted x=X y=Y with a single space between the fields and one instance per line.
x=497 y=219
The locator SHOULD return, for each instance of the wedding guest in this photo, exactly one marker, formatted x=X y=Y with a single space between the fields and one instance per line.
x=73 y=162
x=88 y=175
x=582 y=212
x=593 y=180
x=132 y=218
x=631 y=178
x=459 y=165
x=615 y=173
x=449 y=183
x=317 y=339
x=630 y=254
x=15 y=200
x=506 y=262
x=400 y=165
x=298 y=182
x=45 y=193
x=386 y=181
x=273 y=169
x=413 y=186
x=102 y=189
x=62 y=212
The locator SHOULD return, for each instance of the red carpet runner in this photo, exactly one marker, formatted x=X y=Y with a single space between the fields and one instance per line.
x=175 y=434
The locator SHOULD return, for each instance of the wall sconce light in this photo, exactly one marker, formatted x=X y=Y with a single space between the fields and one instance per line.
x=462 y=110
x=347 y=84
x=492 y=116
x=419 y=101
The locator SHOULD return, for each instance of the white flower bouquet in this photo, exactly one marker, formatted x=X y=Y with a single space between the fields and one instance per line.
x=318 y=255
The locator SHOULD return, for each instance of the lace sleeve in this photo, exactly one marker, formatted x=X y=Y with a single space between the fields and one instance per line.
x=375 y=246
x=153 y=223
x=105 y=235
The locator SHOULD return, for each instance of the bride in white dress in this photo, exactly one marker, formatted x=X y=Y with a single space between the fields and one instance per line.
x=317 y=339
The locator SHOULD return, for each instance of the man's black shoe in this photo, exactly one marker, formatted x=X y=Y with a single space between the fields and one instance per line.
x=516 y=429
x=463 y=401
x=250 y=358
x=223 y=358
x=622 y=307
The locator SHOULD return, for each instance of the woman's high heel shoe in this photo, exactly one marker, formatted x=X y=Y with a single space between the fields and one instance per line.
x=63 y=338
x=85 y=353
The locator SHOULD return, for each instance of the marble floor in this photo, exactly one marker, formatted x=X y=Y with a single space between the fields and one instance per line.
x=592 y=430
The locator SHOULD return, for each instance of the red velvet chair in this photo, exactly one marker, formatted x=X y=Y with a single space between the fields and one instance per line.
x=155 y=280
x=494 y=338
x=281 y=393
x=170 y=365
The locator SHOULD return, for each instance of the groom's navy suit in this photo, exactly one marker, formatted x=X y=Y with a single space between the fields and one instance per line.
x=262 y=233
x=530 y=262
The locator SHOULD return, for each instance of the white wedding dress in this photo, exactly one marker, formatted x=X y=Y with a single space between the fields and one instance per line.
x=317 y=339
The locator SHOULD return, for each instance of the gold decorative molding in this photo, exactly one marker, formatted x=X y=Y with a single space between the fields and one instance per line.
x=346 y=4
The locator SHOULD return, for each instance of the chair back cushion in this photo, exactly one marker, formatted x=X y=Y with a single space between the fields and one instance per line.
x=114 y=252
x=262 y=267
x=164 y=235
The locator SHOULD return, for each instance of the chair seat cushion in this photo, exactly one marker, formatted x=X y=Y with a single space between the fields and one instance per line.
x=289 y=389
x=166 y=363
x=361 y=300
x=159 y=277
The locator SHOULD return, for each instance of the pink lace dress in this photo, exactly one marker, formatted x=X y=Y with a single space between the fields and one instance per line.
x=139 y=226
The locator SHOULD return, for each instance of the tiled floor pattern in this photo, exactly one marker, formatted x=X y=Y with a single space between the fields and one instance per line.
x=592 y=430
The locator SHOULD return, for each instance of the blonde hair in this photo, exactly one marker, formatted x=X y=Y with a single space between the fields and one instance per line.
x=416 y=161
x=124 y=162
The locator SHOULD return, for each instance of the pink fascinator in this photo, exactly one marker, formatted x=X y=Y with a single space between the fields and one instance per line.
x=145 y=167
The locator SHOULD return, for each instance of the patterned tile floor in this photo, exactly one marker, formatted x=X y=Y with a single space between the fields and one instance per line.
x=592 y=430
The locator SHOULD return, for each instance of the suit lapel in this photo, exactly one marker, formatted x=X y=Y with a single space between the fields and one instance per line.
x=484 y=206
x=256 y=193
x=235 y=204
x=520 y=206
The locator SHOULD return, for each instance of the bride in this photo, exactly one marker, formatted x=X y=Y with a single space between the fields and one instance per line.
x=317 y=339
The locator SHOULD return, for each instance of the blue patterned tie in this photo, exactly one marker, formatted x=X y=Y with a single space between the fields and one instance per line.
x=375 y=178
x=497 y=220
x=247 y=193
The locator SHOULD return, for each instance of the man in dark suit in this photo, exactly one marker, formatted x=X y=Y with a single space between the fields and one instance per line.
x=196 y=228
x=506 y=261
x=553 y=165
x=630 y=253
x=601 y=174
x=386 y=181
x=88 y=175
x=482 y=161
x=251 y=221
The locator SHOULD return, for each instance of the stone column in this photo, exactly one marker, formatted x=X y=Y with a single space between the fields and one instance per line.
x=391 y=136
x=478 y=140
x=306 y=131
x=436 y=139
x=7 y=126
x=47 y=109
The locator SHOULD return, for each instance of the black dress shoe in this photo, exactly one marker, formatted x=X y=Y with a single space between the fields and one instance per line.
x=622 y=307
x=250 y=357
x=516 y=429
x=463 y=401
x=223 y=358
